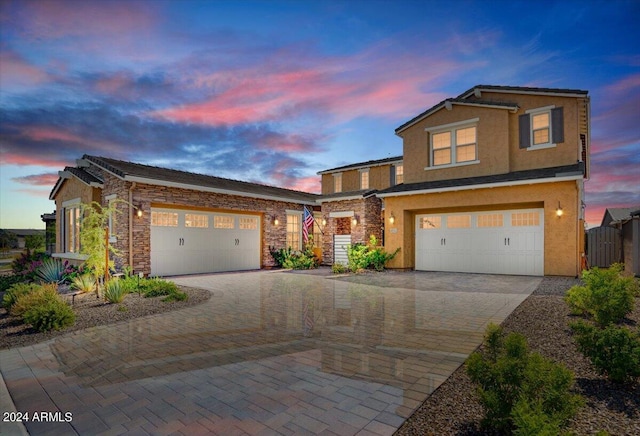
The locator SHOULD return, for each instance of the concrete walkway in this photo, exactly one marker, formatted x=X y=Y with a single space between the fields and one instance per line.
x=271 y=352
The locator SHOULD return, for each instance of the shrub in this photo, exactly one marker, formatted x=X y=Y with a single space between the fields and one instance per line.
x=614 y=351
x=157 y=287
x=26 y=264
x=338 y=268
x=370 y=256
x=301 y=260
x=607 y=296
x=8 y=280
x=518 y=389
x=51 y=315
x=16 y=291
x=281 y=255
x=51 y=271
x=37 y=297
x=176 y=296
x=84 y=283
x=114 y=292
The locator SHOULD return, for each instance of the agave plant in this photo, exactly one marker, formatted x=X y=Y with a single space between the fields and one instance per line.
x=51 y=271
x=84 y=283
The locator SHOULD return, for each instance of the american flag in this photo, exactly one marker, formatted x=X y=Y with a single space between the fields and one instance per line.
x=307 y=225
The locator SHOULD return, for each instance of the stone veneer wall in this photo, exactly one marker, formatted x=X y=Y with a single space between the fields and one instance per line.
x=369 y=213
x=145 y=195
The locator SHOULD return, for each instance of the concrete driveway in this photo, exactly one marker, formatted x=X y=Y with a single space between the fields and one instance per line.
x=272 y=352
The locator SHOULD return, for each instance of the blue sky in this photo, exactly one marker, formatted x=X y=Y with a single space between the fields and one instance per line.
x=273 y=91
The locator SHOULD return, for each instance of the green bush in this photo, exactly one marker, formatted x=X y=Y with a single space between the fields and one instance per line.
x=520 y=390
x=301 y=260
x=16 y=291
x=176 y=296
x=114 y=292
x=157 y=287
x=37 y=297
x=281 y=255
x=338 y=268
x=369 y=256
x=614 y=351
x=50 y=315
x=8 y=280
x=607 y=296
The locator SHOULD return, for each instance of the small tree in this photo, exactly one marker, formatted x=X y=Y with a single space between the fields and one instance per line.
x=95 y=220
x=34 y=242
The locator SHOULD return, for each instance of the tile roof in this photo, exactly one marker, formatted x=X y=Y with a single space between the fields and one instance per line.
x=369 y=163
x=157 y=175
x=337 y=196
x=80 y=173
x=616 y=214
x=542 y=173
x=523 y=90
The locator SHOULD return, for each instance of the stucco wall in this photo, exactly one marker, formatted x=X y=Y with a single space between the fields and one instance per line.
x=562 y=236
x=379 y=178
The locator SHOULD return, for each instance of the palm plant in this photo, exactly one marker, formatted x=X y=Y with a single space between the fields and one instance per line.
x=51 y=271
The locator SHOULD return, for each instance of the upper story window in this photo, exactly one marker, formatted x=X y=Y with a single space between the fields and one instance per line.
x=364 y=179
x=541 y=127
x=399 y=174
x=454 y=144
x=337 y=182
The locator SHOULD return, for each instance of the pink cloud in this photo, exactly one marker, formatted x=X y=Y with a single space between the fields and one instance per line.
x=27 y=159
x=47 y=179
x=17 y=72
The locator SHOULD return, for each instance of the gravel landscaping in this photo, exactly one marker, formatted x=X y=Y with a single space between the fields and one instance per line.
x=543 y=319
x=92 y=312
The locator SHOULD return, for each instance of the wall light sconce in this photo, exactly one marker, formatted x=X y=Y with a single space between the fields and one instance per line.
x=559 y=211
x=275 y=221
x=392 y=219
x=138 y=212
x=354 y=220
x=324 y=221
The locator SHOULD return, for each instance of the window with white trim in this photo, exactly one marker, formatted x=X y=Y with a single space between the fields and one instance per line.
x=294 y=231
x=364 y=179
x=71 y=229
x=455 y=146
x=541 y=127
x=337 y=182
x=399 y=174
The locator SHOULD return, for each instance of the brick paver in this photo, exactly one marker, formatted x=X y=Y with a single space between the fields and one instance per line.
x=372 y=348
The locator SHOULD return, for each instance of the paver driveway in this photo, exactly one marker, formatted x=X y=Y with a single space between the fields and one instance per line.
x=271 y=352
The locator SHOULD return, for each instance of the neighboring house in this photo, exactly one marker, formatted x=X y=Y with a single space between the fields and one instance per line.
x=23 y=234
x=49 y=220
x=627 y=221
x=490 y=182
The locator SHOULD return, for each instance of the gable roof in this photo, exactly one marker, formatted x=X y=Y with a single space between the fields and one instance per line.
x=618 y=214
x=462 y=99
x=367 y=164
x=152 y=175
x=567 y=172
x=78 y=173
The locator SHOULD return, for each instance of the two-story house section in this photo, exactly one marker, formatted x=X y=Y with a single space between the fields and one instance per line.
x=351 y=211
x=493 y=183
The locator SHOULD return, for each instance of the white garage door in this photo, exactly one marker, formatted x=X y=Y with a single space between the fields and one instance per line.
x=496 y=242
x=191 y=242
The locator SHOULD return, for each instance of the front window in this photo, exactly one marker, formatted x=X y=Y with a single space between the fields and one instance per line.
x=293 y=231
x=454 y=146
x=71 y=225
x=317 y=232
x=540 y=128
x=364 y=179
x=337 y=183
x=399 y=174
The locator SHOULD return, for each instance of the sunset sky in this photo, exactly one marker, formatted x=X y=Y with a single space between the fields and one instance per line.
x=275 y=91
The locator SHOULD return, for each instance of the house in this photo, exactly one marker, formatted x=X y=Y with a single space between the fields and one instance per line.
x=490 y=181
x=493 y=183
x=627 y=222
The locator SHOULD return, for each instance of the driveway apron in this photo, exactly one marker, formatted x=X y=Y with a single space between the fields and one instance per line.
x=272 y=352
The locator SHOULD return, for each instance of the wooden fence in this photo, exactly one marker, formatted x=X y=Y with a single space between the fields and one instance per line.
x=603 y=246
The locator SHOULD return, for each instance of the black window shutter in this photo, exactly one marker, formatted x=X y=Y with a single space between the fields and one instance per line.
x=525 y=134
x=392 y=175
x=557 y=125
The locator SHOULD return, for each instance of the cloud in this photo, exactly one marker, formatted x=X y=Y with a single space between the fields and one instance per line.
x=45 y=179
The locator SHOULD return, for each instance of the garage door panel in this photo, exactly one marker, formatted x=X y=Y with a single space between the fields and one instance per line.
x=500 y=242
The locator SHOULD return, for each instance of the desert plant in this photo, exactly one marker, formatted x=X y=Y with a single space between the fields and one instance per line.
x=518 y=387
x=114 y=292
x=156 y=287
x=84 y=283
x=38 y=296
x=614 y=351
x=51 y=271
x=51 y=315
x=607 y=296
x=16 y=291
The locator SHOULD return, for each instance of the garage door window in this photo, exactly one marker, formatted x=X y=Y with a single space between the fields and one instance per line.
x=249 y=223
x=196 y=220
x=223 y=222
x=430 y=222
x=164 y=219
x=459 y=221
x=525 y=219
x=490 y=220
